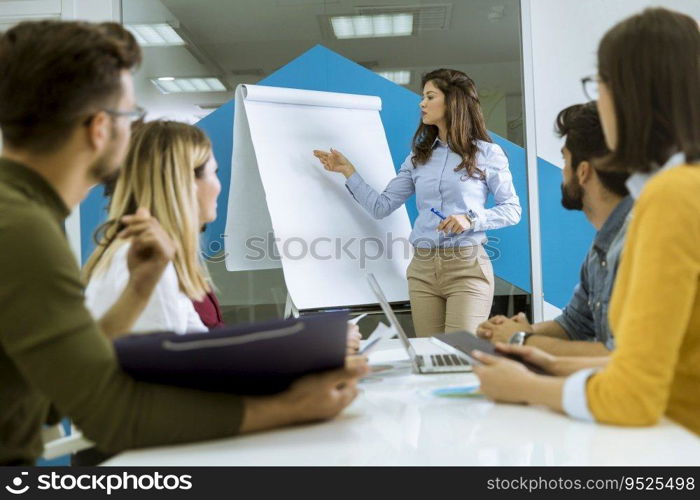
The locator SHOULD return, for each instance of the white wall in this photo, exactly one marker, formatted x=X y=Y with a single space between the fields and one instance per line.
x=565 y=36
x=97 y=10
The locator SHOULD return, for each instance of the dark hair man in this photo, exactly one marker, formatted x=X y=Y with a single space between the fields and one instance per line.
x=582 y=329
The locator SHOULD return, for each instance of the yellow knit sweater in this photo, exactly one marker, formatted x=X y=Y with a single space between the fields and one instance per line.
x=655 y=310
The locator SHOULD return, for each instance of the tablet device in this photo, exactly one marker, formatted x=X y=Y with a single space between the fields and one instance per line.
x=463 y=343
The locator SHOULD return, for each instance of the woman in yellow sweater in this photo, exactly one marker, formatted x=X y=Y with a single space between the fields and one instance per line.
x=648 y=94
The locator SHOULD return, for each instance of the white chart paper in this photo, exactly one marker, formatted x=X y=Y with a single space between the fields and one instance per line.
x=325 y=240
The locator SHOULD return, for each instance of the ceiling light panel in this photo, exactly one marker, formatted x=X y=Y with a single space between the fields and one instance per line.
x=172 y=85
x=401 y=77
x=372 y=26
x=426 y=17
x=155 y=35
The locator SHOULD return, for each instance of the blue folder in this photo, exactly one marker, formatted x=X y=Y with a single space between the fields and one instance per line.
x=259 y=358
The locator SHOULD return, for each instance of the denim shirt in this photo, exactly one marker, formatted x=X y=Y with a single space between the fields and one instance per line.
x=437 y=185
x=574 y=397
x=586 y=315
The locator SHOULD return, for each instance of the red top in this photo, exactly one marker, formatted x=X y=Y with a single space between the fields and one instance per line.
x=209 y=311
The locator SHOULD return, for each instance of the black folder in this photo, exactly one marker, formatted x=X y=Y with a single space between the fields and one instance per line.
x=259 y=358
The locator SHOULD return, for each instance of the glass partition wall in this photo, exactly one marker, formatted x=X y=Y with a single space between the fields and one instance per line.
x=196 y=53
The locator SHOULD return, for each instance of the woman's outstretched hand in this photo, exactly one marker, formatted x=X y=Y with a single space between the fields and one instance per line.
x=334 y=161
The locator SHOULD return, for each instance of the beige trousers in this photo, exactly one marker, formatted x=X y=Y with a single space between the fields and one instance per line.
x=450 y=289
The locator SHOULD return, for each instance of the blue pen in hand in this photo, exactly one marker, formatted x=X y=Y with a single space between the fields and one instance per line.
x=438 y=213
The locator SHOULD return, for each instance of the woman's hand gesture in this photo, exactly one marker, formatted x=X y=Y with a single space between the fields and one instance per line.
x=335 y=162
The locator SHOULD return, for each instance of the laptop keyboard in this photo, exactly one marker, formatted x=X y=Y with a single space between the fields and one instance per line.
x=447 y=360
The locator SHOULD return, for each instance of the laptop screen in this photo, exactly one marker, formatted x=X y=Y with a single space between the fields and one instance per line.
x=377 y=290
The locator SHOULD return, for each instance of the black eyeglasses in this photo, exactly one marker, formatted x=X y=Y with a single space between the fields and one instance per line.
x=590 y=87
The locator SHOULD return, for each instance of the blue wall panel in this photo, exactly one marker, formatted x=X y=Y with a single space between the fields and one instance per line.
x=511 y=258
x=93 y=212
x=566 y=237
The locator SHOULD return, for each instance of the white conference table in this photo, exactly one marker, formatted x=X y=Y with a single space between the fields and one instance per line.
x=397 y=420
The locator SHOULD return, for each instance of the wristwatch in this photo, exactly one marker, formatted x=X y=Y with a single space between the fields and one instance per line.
x=519 y=338
x=471 y=216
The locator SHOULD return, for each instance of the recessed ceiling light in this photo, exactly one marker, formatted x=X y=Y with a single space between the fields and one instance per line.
x=401 y=77
x=155 y=35
x=172 y=85
x=496 y=13
x=372 y=26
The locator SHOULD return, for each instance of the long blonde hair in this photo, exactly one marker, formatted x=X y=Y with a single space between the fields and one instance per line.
x=159 y=174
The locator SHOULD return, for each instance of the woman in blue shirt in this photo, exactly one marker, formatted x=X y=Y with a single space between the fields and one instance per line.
x=452 y=168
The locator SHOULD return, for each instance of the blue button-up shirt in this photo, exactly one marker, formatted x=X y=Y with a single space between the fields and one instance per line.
x=586 y=315
x=437 y=185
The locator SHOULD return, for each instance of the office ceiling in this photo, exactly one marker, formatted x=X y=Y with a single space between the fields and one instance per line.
x=244 y=40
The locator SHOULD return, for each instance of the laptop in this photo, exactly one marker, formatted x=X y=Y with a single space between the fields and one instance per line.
x=437 y=361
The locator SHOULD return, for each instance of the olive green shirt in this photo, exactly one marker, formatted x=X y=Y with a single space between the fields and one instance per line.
x=52 y=351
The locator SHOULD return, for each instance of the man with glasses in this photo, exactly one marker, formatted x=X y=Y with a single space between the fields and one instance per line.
x=582 y=329
x=66 y=103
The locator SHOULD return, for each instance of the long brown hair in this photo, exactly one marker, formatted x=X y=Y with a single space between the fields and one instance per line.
x=463 y=117
x=651 y=64
x=164 y=159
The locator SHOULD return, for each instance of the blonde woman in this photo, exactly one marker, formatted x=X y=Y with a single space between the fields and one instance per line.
x=169 y=171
